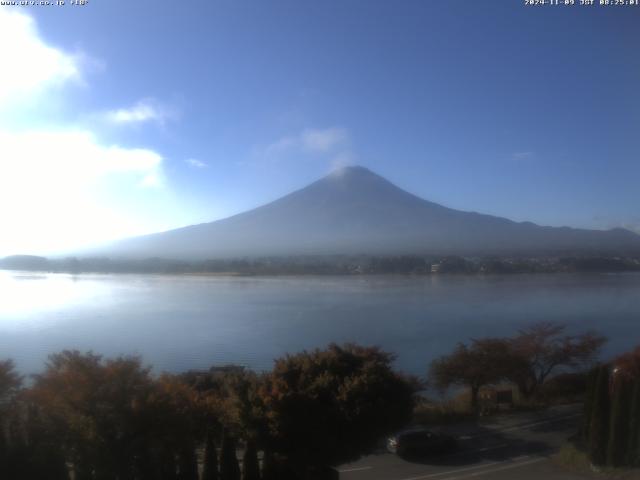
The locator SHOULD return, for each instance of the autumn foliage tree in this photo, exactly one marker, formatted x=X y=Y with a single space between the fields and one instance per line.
x=527 y=360
x=180 y=423
x=10 y=383
x=97 y=409
x=231 y=393
x=544 y=348
x=330 y=406
x=92 y=418
x=482 y=362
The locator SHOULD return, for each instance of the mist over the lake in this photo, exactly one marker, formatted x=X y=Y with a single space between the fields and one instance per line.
x=187 y=322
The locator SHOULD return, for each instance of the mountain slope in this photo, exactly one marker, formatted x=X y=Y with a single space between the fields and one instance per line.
x=354 y=211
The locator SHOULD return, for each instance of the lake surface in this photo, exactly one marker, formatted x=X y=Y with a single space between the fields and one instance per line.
x=183 y=322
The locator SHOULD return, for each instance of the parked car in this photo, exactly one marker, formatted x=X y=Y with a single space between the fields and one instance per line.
x=421 y=442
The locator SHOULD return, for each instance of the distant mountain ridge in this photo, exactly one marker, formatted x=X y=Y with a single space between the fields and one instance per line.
x=355 y=211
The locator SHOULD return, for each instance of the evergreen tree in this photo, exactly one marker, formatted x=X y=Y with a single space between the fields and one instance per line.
x=229 y=468
x=633 y=443
x=250 y=466
x=599 y=424
x=592 y=379
x=82 y=472
x=210 y=468
x=619 y=423
x=4 y=448
x=168 y=465
x=268 y=466
x=145 y=467
x=187 y=463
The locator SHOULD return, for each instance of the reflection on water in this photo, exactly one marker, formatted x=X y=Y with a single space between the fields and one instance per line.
x=24 y=295
x=180 y=322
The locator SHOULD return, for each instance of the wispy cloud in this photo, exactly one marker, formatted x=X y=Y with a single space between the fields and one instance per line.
x=323 y=141
x=608 y=222
x=342 y=159
x=146 y=110
x=311 y=140
x=331 y=145
x=196 y=163
x=633 y=225
x=522 y=155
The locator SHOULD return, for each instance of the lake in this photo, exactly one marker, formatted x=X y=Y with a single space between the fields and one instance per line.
x=183 y=322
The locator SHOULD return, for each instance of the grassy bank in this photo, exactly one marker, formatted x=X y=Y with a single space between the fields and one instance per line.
x=575 y=460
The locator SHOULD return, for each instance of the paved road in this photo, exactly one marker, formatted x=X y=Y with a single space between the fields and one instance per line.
x=515 y=446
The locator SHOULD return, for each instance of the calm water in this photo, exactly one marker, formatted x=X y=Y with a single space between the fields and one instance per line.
x=187 y=322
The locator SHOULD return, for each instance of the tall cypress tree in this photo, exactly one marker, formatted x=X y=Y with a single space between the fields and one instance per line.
x=187 y=462
x=210 y=467
x=269 y=466
x=599 y=424
x=229 y=468
x=617 y=447
x=592 y=379
x=633 y=443
x=168 y=465
x=250 y=465
x=145 y=466
x=4 y=448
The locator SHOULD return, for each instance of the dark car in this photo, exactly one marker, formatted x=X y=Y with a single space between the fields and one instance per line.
x=420 y=442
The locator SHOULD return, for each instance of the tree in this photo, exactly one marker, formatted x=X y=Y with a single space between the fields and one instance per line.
x=229 y=468
x=628 y=364
x=250 y=465
x=483 y=362
x=633 y=453
x=243 y=407
x=95 y=406
x=210 y=464
x=28 y=451
x=599 y=423
x=269 y=466
x=10 y=381
x=592 y=380
x=330 y=406
x=177 y=417
x=543 y=347
x=627 y=374
x=622 y=390
x=613 y=406
x=187 y=462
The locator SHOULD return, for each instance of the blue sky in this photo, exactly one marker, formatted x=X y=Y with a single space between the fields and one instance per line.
x=119 y=118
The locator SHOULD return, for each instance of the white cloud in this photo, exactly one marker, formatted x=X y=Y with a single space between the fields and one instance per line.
x=76 y=152
x=146 y=110
x=323 y=140
x=522 y=155
x=60 y=187
x=282 y=145
x=57 y=188
x=342 y=159
x=29 y=66
x=312 y=141
x=196 y=163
